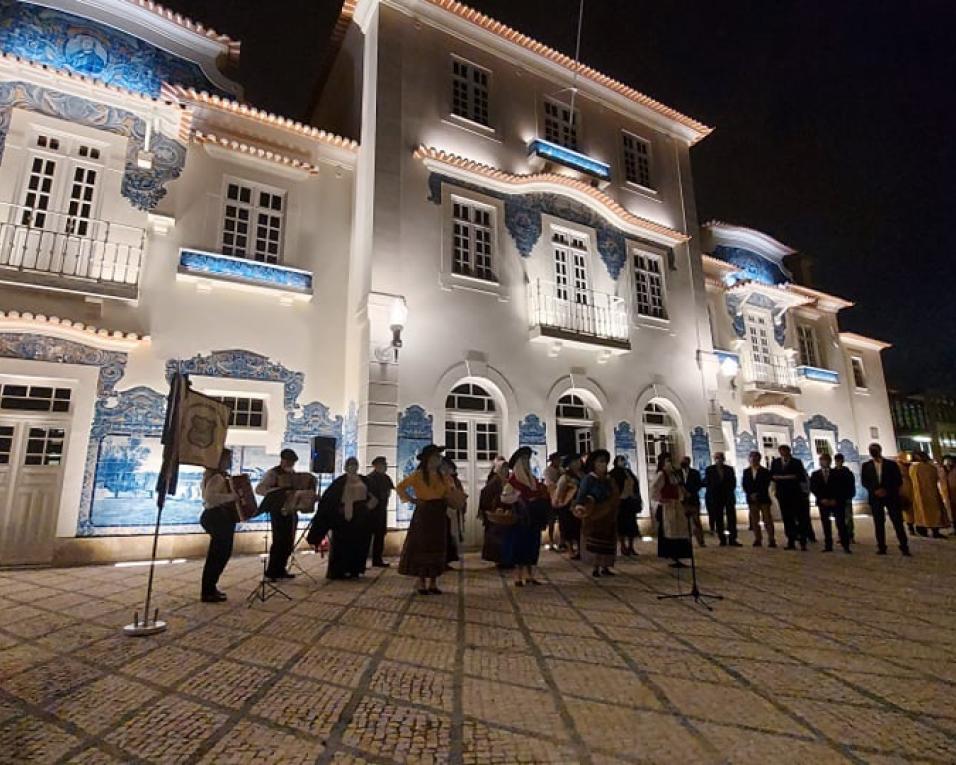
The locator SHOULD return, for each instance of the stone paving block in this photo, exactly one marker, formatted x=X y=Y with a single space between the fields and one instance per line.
x=413 y=684
x=491 y=745
x=330 y=665
x=591 y=651
x=354 y=639
x=559 y=626
x=21 y=656
x=212 y=638
x=504 y=667
x=524 y=708
x=750 y=746
x=227 y=683
x=265 y=651
x=39 y=625
x=172 y=729
x=677 y=663
x=504 y=619
x=95 y=707
x=911 y=693
x=428 y=653
x=93 y=756
x=428 y=627
x=484 y=636
x=617 y=685
x=249 y=743
x=28 y=739
x=399 y=733
x=51 y=680
x=367 y=618
x=167 y=665
x=299 y=704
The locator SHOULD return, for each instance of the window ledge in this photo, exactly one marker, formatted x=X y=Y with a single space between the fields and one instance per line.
x=470 y=126
x=649 y=322
x=207 y=269
x=642 y=191
x=453 y=281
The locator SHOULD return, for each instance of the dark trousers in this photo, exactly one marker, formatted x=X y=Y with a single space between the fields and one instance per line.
x=379 y=528
x=795 y=511
x=720 y=510
x=220 y=524
x=880 y=506
x=283 y=540
x=829 y=514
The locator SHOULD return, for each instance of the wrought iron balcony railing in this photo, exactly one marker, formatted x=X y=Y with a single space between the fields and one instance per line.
x=586 y=315
x=769 y=372
x=56 y=250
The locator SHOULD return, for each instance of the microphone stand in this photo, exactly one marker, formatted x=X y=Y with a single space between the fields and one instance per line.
x=700 y=598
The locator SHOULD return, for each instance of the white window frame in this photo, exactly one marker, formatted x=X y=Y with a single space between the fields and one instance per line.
x=808 y=347
x=648 y=161
x=256 y=189
x=577 y=281
x=758 y=325
x=67 y=159
x=473 y=229
x=635 y=254
x=824 y=436
x=854 y=359
x=244 y=398
x=472 y=90
x=568 y=133
x=780 y=433
x=447 y=278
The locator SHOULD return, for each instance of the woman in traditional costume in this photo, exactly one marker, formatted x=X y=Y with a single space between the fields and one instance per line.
x=673 y=530
x=495 y=548
x=344 y=510
x=424 y=554
x=597 y=506
x=449 y=473
x=630 y=507
x=906 y=492
x=929 y=512
x=529 y=500
x=566 y=491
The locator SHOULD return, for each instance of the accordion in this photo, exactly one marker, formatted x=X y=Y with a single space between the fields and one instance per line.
x=246 y=506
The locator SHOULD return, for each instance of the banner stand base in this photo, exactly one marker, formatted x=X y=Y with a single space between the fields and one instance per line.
x=143 y=629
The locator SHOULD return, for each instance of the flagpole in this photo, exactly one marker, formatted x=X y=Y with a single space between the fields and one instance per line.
x=153 y=625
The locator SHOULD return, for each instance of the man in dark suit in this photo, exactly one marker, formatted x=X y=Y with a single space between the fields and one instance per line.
x=882 y=480
x=720 y=482
x=839 y=467
x=789 y=477
x=690 y=480
x=755 y=482
x=830 y=489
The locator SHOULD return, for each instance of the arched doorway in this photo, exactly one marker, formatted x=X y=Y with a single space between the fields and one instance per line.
x=472 y=441
x=661 y=434
x=576 y=425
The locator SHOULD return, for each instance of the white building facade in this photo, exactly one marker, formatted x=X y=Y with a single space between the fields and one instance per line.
x=484 y=262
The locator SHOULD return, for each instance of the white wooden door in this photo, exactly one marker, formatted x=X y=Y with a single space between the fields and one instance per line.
x=31 y=470
x=472 y=442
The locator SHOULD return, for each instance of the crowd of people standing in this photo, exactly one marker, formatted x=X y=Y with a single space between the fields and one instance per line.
x=589 y=507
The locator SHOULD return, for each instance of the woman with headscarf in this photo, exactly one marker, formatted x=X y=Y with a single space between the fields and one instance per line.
x=531 y=504
x=597 y=506
x=566 y=491
x=424 y=554
x=630 y=507
x=495 y=548
x=344 y=510
x=673 y=530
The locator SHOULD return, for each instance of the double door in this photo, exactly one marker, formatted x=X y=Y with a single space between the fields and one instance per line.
x=32 y=453
x=472 y=443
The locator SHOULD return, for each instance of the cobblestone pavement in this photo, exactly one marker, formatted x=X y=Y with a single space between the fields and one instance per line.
x=811 y=659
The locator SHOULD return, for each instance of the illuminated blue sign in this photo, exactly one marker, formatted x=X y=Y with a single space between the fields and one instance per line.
x=198 y=263
x=570 y=158
x=819 y=375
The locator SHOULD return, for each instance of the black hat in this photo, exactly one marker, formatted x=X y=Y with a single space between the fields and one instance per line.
x=289 y=455
x=568 y=459
x=428 y=451
x=523 y=451
x=553 y=455
x=379 y=460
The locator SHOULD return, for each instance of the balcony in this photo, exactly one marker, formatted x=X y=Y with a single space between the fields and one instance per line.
x=62 y=252
x=771 y=374
x=579 y=317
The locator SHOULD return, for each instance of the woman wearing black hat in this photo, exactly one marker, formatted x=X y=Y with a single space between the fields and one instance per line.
x=532 y=506
x=564 y=495
x=345 y=510
x=597 y=504
x=424 y=554
x=495 y=548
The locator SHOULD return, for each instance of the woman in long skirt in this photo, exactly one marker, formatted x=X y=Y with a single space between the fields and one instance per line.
x=424 y=554
x=449 y=473
x=345 y=511
x=531 y=504
x=495 y=547
x=564 y=495
x=630 y=507
x=597 y=505
x=673 y=532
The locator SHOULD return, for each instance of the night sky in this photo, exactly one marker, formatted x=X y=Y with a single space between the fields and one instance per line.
x=834 y=128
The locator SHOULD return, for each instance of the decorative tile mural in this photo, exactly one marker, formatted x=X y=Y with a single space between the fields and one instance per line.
x=414 y=433
x=143 y=188
x=700 y=448
x=625 y=443
x=531 y=433
x=26 y=345
x=82 y=46
x=226 y=268
x=753 y=266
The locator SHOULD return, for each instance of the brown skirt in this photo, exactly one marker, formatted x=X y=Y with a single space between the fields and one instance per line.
x=425 y=551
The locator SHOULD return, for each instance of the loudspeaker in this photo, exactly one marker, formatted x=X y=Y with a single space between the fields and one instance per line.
x=323 y=455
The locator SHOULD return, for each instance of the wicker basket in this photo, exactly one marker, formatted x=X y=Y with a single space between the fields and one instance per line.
x=502 y=517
